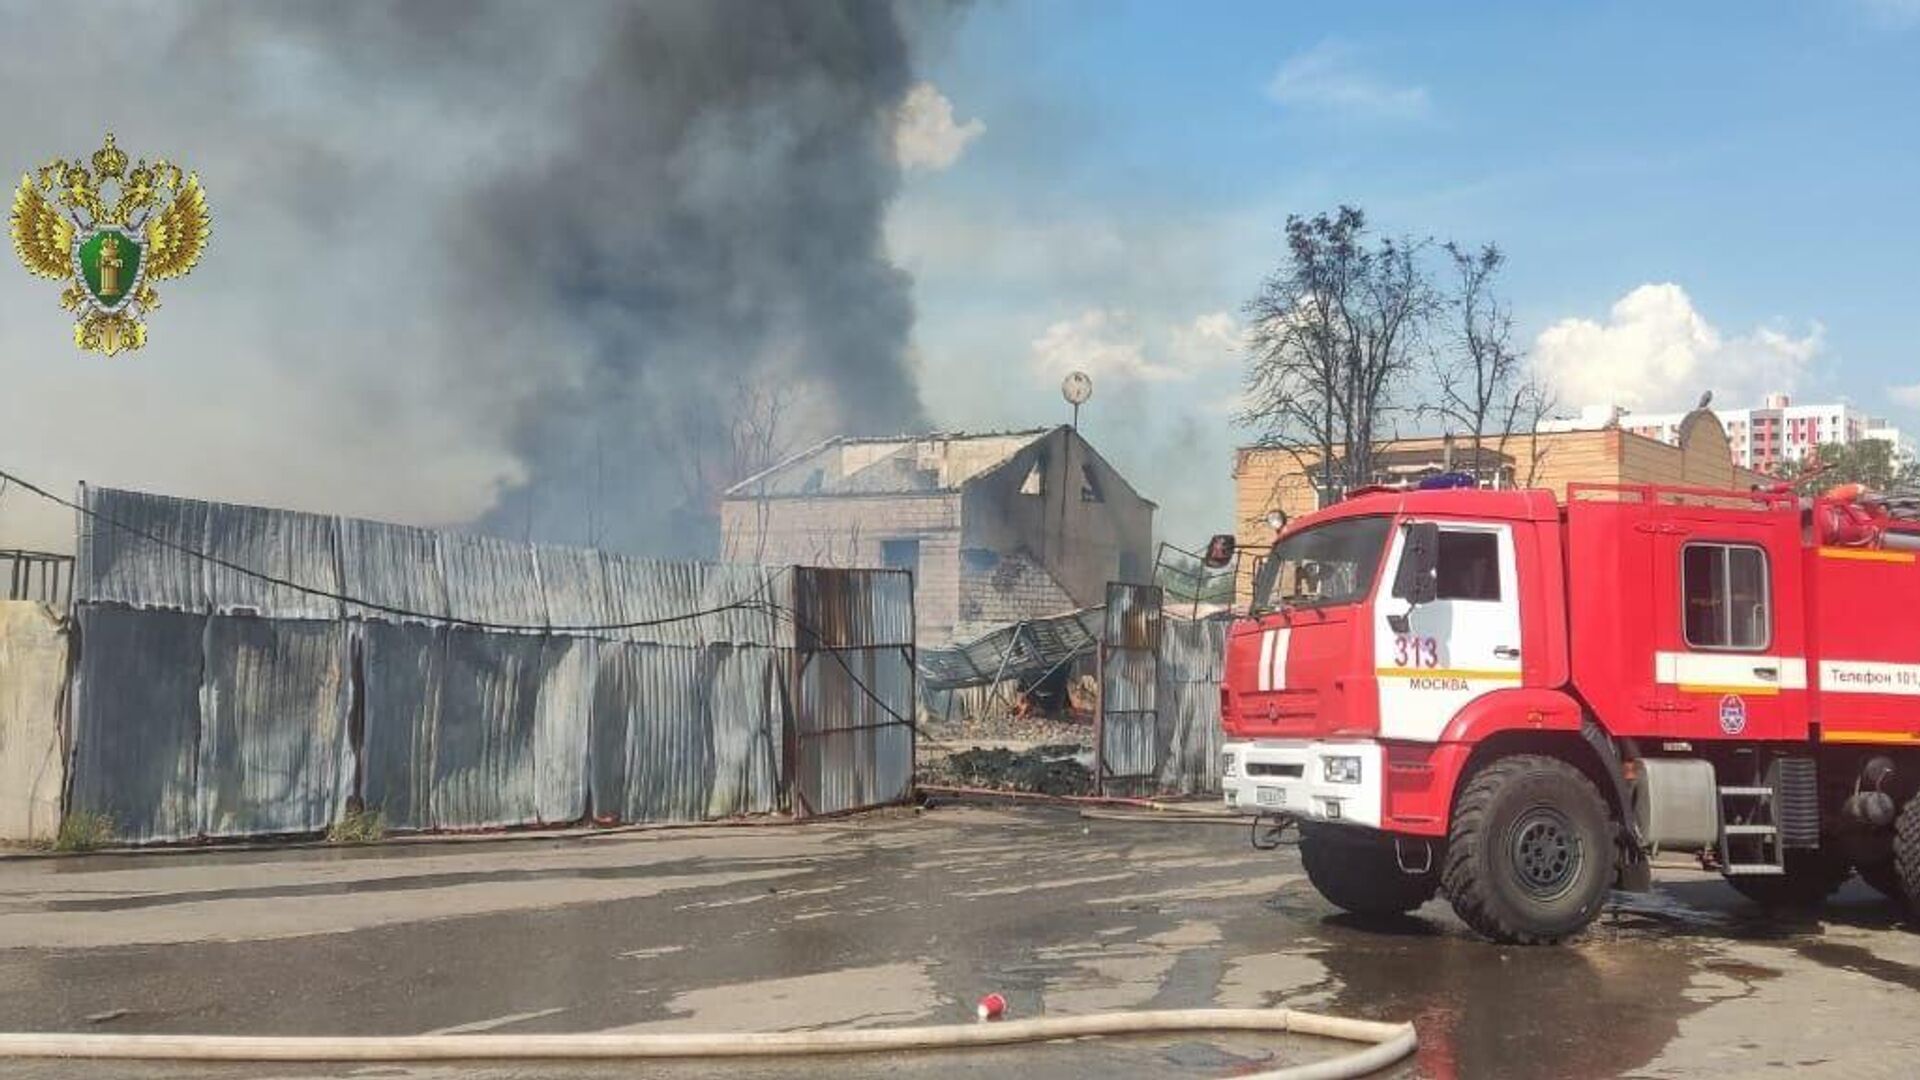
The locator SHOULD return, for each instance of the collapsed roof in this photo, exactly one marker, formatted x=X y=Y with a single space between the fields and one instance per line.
x=906 y=465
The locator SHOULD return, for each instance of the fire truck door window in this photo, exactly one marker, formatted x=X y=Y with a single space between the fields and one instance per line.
x=1724 y=593
x=1469 y=566
x=1327 y=564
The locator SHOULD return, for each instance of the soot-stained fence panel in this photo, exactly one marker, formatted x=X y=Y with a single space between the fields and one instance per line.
x=853 y=689
x=1127 y=745
x=403 y=668
x=685 y=734
x=292 y=547
x=483 y=733
x=274 y=755
x=219 y=704
x=562 y=720
x=396 y=567
x=136 y=722
x=745 y=720
x=133 y=551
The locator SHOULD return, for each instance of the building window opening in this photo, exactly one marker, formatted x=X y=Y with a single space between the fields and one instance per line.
x=1036 y=481
x=900 y=554
x=1090 y=487
x=979 y=560
x=1724 y=590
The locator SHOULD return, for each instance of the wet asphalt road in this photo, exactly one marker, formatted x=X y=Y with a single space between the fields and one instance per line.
x=904 y=918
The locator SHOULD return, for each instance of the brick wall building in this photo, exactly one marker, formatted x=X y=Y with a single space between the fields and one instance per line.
x=1267 y=479
x=996 y=527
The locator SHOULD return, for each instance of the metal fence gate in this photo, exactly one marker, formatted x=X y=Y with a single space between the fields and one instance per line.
x=1126 y=738
x=1158 y=728
x=854 y=690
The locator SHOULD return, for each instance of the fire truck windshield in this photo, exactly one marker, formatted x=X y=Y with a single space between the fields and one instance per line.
x=1325 y=564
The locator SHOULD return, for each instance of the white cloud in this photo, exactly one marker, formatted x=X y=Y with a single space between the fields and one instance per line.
x=1102 y=343
x=1212 y=340
x=1328 y=78
x=1906 y=395
x=924 y=133
x=1656 y=351
x=1110 y=343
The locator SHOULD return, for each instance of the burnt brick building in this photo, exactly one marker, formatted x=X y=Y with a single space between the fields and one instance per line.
x=996 y=527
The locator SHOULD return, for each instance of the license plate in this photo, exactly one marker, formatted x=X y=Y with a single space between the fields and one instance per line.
x=1271 y=796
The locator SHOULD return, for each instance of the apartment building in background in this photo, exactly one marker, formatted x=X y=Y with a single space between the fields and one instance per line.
x=1762 y=438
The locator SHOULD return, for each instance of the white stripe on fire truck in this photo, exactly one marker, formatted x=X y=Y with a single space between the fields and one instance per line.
x=1721 y=672
x=1273 y=658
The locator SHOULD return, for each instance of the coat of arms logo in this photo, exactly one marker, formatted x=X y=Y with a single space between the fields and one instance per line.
x=110 y=232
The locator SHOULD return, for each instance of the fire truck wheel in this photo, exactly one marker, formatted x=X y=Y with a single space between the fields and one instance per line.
x=1530 y=855
x=1357 y=873
x=1906 y=852
x=1811 y=877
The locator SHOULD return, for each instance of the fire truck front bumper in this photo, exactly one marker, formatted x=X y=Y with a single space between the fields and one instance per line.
x=1334 y=782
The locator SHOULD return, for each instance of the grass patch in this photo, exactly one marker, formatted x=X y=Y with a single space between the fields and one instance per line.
x=358 y=827
x=83 y=830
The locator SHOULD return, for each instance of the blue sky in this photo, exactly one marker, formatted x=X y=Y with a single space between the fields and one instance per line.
x=1132 y=165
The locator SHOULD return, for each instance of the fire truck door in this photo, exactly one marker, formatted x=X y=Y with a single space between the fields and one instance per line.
x=1463 y=644
x=1726 y=664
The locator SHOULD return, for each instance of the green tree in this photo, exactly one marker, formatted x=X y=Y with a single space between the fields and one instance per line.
x=1867 y=461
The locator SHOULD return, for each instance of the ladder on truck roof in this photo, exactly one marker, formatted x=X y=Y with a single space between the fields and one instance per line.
x=1680 y=495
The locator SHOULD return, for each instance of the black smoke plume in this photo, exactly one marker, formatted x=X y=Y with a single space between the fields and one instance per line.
x=564 y=269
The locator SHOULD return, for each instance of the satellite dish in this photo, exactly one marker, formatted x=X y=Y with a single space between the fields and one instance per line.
x=1076 y=388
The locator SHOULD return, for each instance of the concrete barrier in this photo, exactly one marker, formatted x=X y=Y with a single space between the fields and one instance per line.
x=33 y=674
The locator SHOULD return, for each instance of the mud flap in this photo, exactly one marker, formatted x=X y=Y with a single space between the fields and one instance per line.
x=1633 y=872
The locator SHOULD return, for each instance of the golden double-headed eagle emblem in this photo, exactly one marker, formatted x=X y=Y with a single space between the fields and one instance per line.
x=110 y=232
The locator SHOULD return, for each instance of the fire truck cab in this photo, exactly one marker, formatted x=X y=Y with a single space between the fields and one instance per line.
x=1517 y=702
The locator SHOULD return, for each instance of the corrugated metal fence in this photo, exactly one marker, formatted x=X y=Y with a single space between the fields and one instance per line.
x=1159 y=724
x=211 y=703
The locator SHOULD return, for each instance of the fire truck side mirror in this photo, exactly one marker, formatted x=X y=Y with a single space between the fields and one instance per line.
x=1416 y=581
x=1219 y=551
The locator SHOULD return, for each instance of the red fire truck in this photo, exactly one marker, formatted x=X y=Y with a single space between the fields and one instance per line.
x=1517 y=702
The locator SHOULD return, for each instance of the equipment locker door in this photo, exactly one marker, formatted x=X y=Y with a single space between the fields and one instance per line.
x=1730 y=658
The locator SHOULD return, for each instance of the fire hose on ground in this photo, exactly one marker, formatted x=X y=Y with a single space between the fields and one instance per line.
x=1385 y=1043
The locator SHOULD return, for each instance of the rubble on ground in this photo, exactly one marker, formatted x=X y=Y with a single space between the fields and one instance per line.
x=1054 y=769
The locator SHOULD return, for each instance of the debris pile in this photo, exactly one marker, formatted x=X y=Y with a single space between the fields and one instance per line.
x=1054 y=769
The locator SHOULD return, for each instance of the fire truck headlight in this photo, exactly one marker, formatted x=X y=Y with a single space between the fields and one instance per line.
x=1227 y=767
x=1341 y=770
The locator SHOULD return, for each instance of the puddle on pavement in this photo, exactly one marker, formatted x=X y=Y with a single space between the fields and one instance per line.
x=1592 y=1008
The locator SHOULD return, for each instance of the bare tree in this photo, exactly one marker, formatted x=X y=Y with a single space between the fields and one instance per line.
x=827 y=551
x=1482 y=386
x=1540 y=401
x=1334 y=334
x=713 y=451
